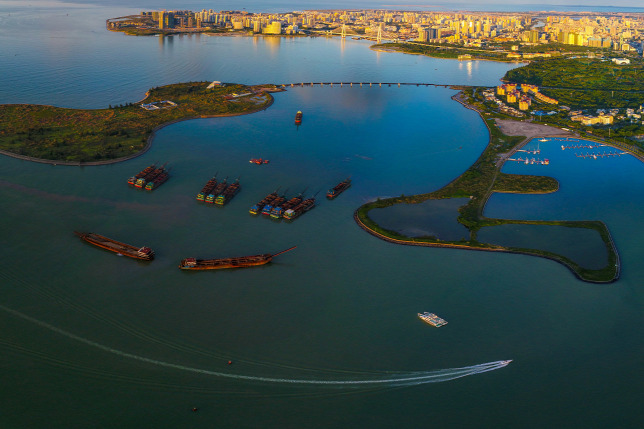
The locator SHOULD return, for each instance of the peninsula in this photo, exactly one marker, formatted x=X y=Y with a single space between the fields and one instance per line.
x=78 y=136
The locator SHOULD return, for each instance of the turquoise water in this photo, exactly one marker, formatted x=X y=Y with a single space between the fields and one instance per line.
x=93 y=339
x=582 y=245
x=431 y=218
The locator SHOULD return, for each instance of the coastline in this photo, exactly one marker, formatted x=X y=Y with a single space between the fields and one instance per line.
x=578 y=271
x=149 y=139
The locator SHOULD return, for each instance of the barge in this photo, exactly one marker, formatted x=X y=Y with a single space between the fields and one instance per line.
x=228 y=193
x=222 y=263
x=141 y=174
x=143 y=253
x=207 y=188
x=257 y=208
x=304 y=206
x=338 y=189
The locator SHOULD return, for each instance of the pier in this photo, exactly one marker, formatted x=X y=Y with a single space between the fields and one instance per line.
x=582 y=146
x=600 y=154
x=530 y=160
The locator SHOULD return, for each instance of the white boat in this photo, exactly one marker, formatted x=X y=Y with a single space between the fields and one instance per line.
x=432 y=319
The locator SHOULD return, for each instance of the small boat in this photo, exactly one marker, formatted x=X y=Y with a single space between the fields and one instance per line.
x=298 y=117
x=338 y=189
x=144 y=253
x=432 y=319
x=259 y=161
x=222 y=263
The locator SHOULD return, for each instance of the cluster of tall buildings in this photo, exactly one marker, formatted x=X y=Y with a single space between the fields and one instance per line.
x=622 y=32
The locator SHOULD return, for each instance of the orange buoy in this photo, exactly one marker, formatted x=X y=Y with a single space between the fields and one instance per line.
x=230 y=362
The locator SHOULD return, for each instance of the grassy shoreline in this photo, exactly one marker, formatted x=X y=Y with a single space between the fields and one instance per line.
x=64 y=136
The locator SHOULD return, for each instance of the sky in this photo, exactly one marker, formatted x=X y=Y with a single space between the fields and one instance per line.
x=288 y=5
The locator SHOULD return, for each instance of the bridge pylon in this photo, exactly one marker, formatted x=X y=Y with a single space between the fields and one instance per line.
x=379 y=38
x=344 y=31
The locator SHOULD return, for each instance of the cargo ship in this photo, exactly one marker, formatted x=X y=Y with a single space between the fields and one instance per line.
x=239 y=262
x=143 y=181
x=298 y=117
x=432 y=319
x=144 y=253
x=278 y=212
x=259 y=161
x=207 y=188
x=141 y=174
x=266 y=211
x=158 y=181
x=338 y=189
x=228 y=193
x=304 y=206
x=221 y=187
x=257 y=208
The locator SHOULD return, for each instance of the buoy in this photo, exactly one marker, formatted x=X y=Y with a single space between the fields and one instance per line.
x=194 y=409
x=230 y=362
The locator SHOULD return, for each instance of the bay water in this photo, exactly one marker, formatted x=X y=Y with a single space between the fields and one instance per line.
x=90 y=339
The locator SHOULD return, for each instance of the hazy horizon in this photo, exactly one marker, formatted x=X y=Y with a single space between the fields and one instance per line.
x=258 y=5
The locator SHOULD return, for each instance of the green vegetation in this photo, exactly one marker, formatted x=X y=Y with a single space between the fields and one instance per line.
x=585 y=83
x=478 y=183
x=55 y=133
x=443 y=50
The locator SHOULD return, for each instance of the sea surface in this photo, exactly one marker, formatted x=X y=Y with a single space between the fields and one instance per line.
x=91 y=339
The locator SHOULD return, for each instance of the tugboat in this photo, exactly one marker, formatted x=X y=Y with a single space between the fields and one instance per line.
x=144 y=253
x=259 y=161
x=239 y=262
x=338 y=189
x=298 y=117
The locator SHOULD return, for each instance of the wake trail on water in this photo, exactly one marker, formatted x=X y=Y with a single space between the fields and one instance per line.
x=401 y=379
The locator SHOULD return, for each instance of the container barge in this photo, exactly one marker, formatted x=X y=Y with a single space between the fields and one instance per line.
x=144 y=253
x=338 y=189
x=222 y=263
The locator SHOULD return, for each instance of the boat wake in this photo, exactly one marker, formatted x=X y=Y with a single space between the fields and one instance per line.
x=389 y=379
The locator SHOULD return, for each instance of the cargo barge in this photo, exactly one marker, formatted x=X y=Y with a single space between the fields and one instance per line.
x=257 y=208
x=222 y=263
x=278 y=212
x=304 y=206
x=144 y=253
x=432 y=319
x=266 y=211
x=228 y=193
x=141 y=174
x=158 y=181
x=338 y=189
x=221 y=186
x=207 y=188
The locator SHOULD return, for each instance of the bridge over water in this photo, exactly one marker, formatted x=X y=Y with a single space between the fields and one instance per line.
x=370 y=84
